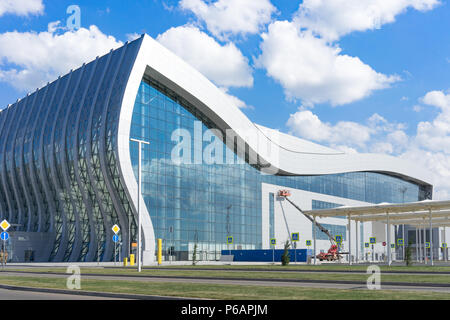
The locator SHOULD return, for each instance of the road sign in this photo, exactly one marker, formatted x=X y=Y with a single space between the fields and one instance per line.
x=115 y=228
x=393 y=245
x=444 y=245
x=427 y=245
x=5 y=225
x=295 y=236
x=4 y=236
x=229 y=240
x=273 y=241
x=384 y=244
x=115 y=238
x=373 y=240
x=338 y=239
x=400 y=242
x=308 y=243
x=366 y=244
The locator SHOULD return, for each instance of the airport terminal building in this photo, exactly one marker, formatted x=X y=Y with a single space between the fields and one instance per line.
x=69 y=167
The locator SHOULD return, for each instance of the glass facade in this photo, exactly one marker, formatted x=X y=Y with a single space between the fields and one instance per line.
x=60 y=173
x=203 y=203
x=318 y=205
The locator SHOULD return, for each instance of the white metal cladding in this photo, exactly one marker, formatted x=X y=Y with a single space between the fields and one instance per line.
x=70 y=151
x=293 y=155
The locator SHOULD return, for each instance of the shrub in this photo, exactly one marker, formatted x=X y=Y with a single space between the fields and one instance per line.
x=285 y=258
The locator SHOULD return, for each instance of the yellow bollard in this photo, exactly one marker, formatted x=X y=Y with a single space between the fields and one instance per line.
x=131 y=259
x=125 y=262
x=159 y=251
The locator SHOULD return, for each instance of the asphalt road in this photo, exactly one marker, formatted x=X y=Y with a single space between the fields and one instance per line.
x=6 y=294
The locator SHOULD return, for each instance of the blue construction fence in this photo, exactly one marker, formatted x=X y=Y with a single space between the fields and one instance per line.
x=267 y=255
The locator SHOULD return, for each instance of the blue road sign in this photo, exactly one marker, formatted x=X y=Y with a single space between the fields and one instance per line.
x=273 y=241
x=308 y=243
x=115 y=238
x=338 y=239
x=427 y=245
x=399 y=242
x=366 y=244
x=392 y=245
x=373 y=240
x=4 y=236
x=444 y=245
x=295 y=236
x=229 y=240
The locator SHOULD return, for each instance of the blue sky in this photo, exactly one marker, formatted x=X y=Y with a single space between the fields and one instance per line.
x=359 y=76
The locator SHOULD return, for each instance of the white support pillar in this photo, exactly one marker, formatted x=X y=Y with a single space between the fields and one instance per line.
x=445 y=249
x=404 y=242
x=349 y=240
x=431 y=238
x=314 y=237
x=357 y=241
x=417 y=246
x=388 y=232
x=424 y=239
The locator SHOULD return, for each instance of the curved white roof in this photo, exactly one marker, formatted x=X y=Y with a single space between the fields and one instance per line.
x=285 y=154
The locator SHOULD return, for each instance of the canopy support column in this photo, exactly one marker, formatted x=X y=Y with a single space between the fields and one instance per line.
x=388 y=232
x=314 y=235
x=424 y=239
x=420 y=245
x=417 y=246
x=445 y=249
x=349 y=240
x=357 y=241
x=431 y=238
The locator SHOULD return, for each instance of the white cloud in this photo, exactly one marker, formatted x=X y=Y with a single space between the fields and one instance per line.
x=417 y=108
x=132 y=36
x=382 y=147
x=21 y=7
x=311 y=70
x=439 y=165
x=28 y=60
x=307 y=125
x=429 y=147
x=231 y=17
x=225 y=65
x=235 y=100
x=332 y=19
x=435 y=135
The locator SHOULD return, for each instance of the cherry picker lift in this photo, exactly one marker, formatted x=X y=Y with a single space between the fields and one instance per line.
x=333 y=253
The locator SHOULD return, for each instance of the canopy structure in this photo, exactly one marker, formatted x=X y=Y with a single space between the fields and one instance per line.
x=422 y=214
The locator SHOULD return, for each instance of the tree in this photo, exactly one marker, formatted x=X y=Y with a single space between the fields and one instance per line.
x=408 y=254
x=194 y=255
x=285 y=258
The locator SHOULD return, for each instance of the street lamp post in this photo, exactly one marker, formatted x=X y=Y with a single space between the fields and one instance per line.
x=228 y=226
x=139 y=251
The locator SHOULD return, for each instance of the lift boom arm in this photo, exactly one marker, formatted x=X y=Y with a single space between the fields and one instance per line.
x=321 y=228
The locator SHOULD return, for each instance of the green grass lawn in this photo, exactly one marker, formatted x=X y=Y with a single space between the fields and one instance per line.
x=195 y=273
x=223 y=292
